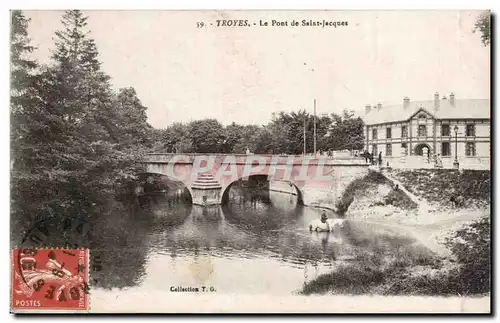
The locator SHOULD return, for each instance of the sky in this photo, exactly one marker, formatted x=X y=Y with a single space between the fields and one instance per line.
x=244 y=74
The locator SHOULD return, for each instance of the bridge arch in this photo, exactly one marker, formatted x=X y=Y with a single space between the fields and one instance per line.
x=141 y=186
x=208 y=189
x=225 y=189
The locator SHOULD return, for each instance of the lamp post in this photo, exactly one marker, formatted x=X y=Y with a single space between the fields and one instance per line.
x=304 y=133
x=455 y=162
x=314 y=129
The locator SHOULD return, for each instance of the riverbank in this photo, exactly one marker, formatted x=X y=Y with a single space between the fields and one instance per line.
x=424 y=212
x=447 y=230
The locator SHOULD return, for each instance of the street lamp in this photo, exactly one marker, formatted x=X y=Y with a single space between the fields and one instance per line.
x=314 y=130
x=455 y=162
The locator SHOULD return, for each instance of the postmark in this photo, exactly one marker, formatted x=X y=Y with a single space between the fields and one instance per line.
x=50 y=279
x=65 y=240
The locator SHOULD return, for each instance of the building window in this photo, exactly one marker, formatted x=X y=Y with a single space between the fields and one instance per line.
x=404 y=149
x=388 y=150
x=445 y=130
x=445 y=149
x=422 y=116
x=470 y=130
x=404 y=132
x=388 y=133
x=422 y=130
x=374 y=150
x=374 y=134
x=470 y=149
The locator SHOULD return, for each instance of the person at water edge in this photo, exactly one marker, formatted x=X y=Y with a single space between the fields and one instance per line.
x=321 y=225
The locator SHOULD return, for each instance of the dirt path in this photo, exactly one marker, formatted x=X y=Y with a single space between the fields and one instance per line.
x=431 y=229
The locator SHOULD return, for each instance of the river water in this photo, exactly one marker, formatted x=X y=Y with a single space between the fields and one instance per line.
x=252 y=246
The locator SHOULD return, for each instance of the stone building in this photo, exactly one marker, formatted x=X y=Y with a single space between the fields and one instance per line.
x=412 y=133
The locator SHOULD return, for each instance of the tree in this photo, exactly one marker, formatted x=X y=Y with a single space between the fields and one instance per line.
x=22 y=98
x=22 y=67
x=346 y=132
x=207 y=136
x=264 y=141
x=249 y=135
x=323 y=123
x=233 y=137
x=174 y=139
x=80 y=157
x=28 y=123
x=130 y=119
x=23 y=95
x=483 y=25
x=288 y=132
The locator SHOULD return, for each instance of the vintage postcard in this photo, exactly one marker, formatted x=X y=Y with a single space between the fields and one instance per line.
x=250 y=161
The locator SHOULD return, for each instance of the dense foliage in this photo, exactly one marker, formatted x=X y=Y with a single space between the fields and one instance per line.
x=471 y=246
x=483 y=25
x=74 y=140
x=283 y=135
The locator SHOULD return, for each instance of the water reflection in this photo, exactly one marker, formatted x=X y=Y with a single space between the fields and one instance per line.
x=259 y=245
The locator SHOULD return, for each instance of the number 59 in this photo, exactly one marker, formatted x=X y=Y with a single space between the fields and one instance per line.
x=200 y=24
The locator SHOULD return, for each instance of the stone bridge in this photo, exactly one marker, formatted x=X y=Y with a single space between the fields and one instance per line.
x=318 y=181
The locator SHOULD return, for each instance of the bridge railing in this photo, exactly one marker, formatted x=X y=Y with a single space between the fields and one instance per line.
x=242 y=158
x=265 y=155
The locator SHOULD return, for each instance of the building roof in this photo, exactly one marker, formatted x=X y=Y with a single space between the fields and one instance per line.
x=463 y=109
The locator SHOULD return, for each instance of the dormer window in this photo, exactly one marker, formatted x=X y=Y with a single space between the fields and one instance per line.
x=422 y=116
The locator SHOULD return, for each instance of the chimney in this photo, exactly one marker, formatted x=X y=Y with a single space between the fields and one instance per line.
x=367 y=109
x=379 y=106
x=436 y=100
x=406 y=102
x=452 y=99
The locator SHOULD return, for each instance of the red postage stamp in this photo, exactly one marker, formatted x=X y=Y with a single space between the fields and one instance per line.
x=50 y=279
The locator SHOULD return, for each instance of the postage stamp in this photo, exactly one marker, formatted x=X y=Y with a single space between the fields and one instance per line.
x=50 y=279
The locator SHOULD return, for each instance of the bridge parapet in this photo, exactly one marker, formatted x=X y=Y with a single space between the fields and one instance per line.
x=243 y=159
x=321 y=181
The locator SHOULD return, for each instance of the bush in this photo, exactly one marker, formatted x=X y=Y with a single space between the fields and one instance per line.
x=438 y=185
x=399 y=199
x=396 y=197
x=471 y=247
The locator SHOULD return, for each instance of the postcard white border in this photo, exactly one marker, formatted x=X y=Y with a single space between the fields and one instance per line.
x=316 y=303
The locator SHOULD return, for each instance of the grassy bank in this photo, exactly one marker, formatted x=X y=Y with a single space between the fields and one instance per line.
x=465 y=271
x=471 y=187
x=372 y=190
